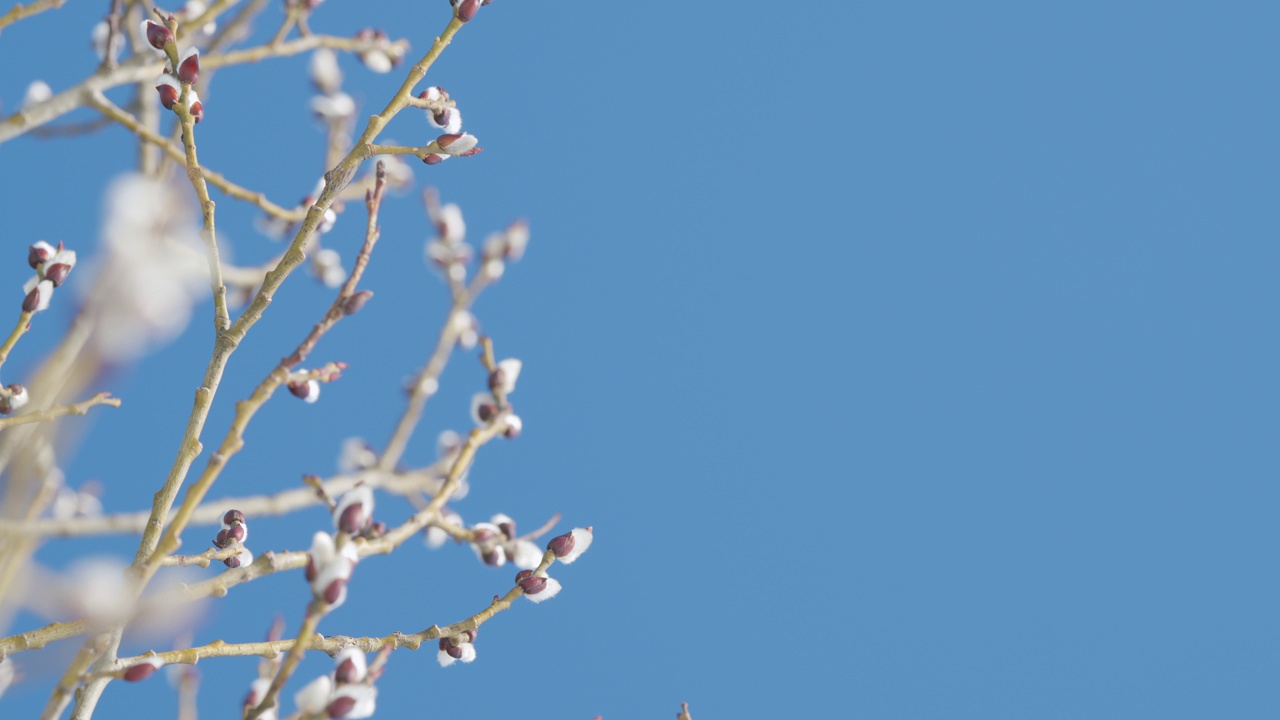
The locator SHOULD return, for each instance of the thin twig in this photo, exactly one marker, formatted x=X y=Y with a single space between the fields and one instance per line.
x=24 y=324
x=145 y=67
x=211 y=512
x=333 y=644
x=109 y=109
x=80 y=408
x=21 y=13
x=316 y=610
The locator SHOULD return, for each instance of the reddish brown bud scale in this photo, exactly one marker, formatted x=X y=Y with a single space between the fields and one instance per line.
x=299 y=389
x=353 y=519
x=347 y=672
x=222 y=539
x=467 y=9
x=189 y=69
x=141 y=671
x=158 y=35
x=311 y=569
x=533 y=585
x=197 y=112
x=508 y=529
x=520 y=576
x=473 y=151
x=236 y=533
x=341 y=706
x=36 y=255
x=497 y=379
x=432 y=159
x=334 y=590
x=448 y=139
x=232 y=562
x=57 y=273
x=355 y=303
x=562 y=545
x=168 y=95
x=233 y=517
x=32 y=300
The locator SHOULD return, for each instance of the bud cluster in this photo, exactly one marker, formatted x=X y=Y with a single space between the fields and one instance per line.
x=443 y=115
x=537 y=587
x=459 y=647
x=494 y=406
x=503 y=247
x=329 y=568
x=383 y=54
x=234 y=533
x=12 y=397
x=181 y=73
x=353 y=513
x=332 y=104
x=571 y=545
x=348 y=693
x=52 y=266
x=496 y=544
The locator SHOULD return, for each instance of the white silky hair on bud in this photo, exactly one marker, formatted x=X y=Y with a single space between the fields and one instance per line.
x=550 y=590
x=377 y=61
x=453 y=229
x=510 y=373
x=468 y=652
x=333 y=107
x=6 y=675
x=314 y=696
x=582 y=539
x=524 y=554
x=324 y=69
x=37 y=92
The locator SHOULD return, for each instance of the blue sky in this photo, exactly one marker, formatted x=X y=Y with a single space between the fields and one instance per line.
x=911 y=360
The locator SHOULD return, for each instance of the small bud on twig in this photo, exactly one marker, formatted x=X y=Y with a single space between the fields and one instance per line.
x=157 y=35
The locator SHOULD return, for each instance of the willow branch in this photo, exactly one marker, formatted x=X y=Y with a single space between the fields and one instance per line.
x=20 y=12
x=211 y=512
x=204 y=559
x=221 y=317
x=332 y=645
x=80 y=408
x=316 y=610
x=145 y=67
x=24 y=324
x=269 y=563
x=246 y=409
x=112 y=111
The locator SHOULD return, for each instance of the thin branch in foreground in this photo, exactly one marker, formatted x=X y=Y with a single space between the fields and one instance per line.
x=21 y=13
x=80 y=408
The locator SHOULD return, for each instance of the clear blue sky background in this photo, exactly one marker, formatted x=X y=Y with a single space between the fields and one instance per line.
x=912 y=360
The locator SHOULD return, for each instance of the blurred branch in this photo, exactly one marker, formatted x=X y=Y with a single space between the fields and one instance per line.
x=80 y=408
x=21 y=13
